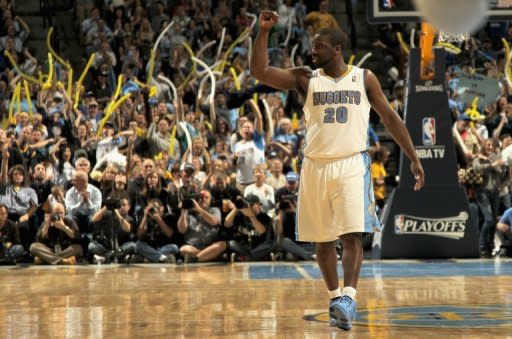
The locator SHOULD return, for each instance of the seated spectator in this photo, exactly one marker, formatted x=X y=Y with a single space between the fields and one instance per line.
x=286 y=200
x=263 y=191
x=284 y=134
x=252 y=230
x=20 y=199
x=58 y=239
x=11 y=248
x=199 y=223
x=113 y=235
x=82 y=201
x=276 y=179
x=504 y=232
x=157 y=235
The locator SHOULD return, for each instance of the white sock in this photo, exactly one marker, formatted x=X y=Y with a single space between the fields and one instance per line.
x=350 y=291
x=334 y=293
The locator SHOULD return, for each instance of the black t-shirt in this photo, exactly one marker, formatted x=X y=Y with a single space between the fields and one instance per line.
x=57 y=236
x=9 y=233
x=283 y=197
x=108 y=225
x=154 y=235
x=244 y=231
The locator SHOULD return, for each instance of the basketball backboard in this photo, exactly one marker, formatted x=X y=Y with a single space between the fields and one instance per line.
x=385 y=11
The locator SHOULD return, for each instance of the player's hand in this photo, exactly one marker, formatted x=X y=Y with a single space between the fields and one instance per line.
x=419 y=175
x=268 y=19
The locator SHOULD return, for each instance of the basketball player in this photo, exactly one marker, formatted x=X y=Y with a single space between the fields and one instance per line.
x=335 y=194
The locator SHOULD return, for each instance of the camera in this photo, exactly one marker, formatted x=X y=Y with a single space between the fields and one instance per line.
x=241 y=203
x=112 y=204
x=187 y=202
x=285 y=201
x=55 y=217
x=153 y=210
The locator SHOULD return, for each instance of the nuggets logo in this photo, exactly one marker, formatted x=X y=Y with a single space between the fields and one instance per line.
x=429 y=131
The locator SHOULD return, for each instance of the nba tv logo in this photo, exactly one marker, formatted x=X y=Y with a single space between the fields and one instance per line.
x=429 y=131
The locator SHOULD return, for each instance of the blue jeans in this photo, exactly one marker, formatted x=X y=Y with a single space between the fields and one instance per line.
x=16 y=252
x=488 y=202
x=153 y=254
x=289 y=246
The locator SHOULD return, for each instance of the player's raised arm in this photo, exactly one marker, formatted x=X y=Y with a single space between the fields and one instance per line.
x=272 y=76
x=394 y=125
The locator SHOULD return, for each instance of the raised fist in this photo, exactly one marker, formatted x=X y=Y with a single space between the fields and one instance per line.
x=268 y=19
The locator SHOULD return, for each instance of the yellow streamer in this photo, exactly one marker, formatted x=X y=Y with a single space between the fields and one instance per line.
x=151 y=67
x=172 y=141
x=138 y=82
x=81 y=79
x=48 y=83
x=452 y=48
x=508 y=70
x=117 y=92
x=52 y=51
x=108 y=112
x=194 y=66
x=15 y=65
x=70 y=82
x=29 y=100
x=404 y=46
x=236 y=81
x=351 y=60
x=119 y=87
x=18 y=97
x=8 y=120
x=240 y=38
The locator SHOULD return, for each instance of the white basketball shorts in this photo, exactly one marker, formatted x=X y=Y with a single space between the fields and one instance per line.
x=335 y=198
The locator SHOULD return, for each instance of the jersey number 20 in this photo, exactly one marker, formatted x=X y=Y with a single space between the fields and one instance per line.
x=339 y=115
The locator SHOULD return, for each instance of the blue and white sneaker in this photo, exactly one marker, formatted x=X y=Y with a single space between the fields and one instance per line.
x=342 y=311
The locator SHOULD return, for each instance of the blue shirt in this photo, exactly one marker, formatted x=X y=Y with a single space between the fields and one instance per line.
x=506 y=218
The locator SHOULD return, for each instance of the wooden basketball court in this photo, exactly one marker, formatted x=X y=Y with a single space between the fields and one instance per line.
x=471 y=298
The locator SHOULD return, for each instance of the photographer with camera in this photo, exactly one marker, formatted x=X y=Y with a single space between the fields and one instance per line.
x=286 y=198
x=156 y=234
x=11 y=248
x=253 y=233
x=112 y=236
x=199 y=223
x=58 y=239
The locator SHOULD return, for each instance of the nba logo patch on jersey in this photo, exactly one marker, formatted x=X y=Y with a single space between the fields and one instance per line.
x=429 y=131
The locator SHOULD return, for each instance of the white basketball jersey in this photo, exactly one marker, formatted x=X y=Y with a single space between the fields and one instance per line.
x=337 y=115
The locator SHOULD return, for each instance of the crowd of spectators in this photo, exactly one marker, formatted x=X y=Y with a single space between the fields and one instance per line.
x=127 y=171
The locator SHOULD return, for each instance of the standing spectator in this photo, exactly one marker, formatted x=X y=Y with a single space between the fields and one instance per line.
x=379 y=174
x=321 y=19
x=248 y=152
x=492 y=167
